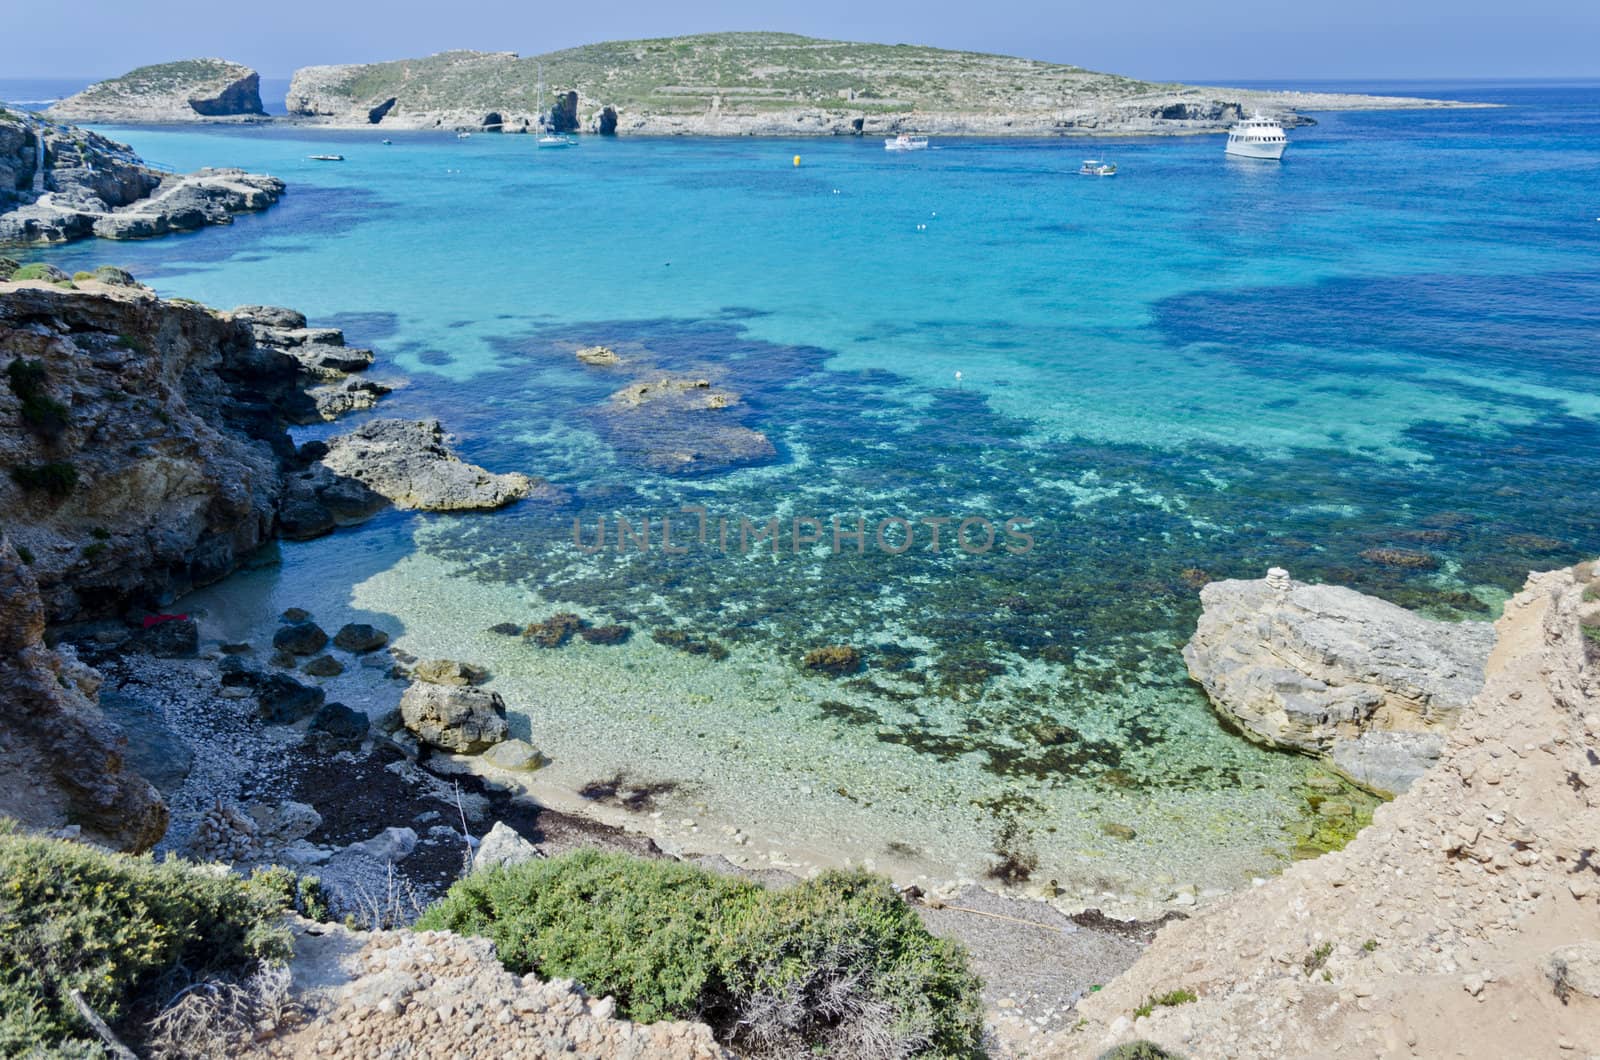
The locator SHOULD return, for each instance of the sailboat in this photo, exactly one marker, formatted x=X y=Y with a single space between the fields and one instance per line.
x=550 y=138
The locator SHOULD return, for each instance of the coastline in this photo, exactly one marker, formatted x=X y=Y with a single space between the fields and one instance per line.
x=1102 y=121
x=723 y=784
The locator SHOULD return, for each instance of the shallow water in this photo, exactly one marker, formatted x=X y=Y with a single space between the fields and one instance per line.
x=1196 y=369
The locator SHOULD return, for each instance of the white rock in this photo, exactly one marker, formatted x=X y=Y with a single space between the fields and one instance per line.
x=392 y=844
x=502 y=846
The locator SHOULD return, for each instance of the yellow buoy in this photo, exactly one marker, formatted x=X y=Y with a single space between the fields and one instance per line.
x=797 y=160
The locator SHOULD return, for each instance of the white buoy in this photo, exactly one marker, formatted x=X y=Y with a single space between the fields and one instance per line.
x=958 y=378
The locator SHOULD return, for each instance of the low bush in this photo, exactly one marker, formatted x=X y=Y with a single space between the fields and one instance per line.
x=833 y=966
x=35 y=271
x=39 y=410
x=57 y=478
x=1170 y=999
x=1138 y=1050
x=124 y=932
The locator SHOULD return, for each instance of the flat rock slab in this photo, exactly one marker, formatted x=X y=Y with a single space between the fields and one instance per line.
x=408 y=463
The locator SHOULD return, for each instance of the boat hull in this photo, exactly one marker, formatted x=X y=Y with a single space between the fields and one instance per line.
x=1266 y=152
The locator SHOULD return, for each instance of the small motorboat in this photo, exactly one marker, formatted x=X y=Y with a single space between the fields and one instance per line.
x=905 y=142
x=326 y=158
x=463 y=136
x=387 y=140
x=1093 y=167
x=555 y=140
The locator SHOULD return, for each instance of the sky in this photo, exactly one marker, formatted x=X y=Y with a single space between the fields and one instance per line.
x=1283 y=40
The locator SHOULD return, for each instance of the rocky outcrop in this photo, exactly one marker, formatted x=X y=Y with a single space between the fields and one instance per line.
x=681 y=427
x=326 y=365
x=188 y=90
x=39 y=156
x=140 y=462
x=61 y=758
x=60 y=183
x=461 y=720
x=1462 y=922
x=1326 y=670
x=407 y=463
x=436 y=994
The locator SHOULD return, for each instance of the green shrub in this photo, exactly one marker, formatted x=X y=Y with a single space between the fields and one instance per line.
x=1139 y=1050
x=56 y=479
x=118 y=929
x=39 y=410
x=36 y=271
x=832 y=966
x=1167 y=1000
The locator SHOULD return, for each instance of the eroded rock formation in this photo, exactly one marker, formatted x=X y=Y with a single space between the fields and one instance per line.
x=1327 y=670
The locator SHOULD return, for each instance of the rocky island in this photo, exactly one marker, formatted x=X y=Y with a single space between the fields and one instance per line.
x=189 y=90
x=711 y=84
x=776 y=84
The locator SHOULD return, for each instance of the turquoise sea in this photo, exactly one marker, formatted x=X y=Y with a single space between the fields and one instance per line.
x=1197 y=369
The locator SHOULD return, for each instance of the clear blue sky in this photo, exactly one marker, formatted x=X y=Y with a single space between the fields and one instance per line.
x=1166 y=39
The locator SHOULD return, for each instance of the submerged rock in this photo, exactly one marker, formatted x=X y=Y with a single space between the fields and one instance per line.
x=555 y=630
x=300 y=638
x=1315 y=667
x=517 y=755
x=358 y=637
x=461 y=720
x=282 y=700
x=681 y=427
x=324 y=666
x=599 y=356
x=611 y=634
x=450 y=672
x=836 y=660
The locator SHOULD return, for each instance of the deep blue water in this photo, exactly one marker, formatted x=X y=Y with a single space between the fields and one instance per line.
x=1199 y=368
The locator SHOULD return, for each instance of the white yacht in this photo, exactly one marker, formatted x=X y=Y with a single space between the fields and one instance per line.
x=905 y=142
x=557 y=140
x=1257 y=137
x=1093 y=167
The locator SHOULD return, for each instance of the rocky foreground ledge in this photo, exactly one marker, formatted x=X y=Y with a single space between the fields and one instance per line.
x=60 y=183
x=1465 y=921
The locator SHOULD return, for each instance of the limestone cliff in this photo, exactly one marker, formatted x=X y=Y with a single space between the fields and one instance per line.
x=1465 y=921
x=187 y=90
